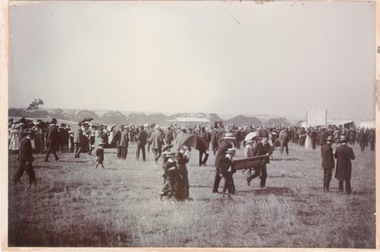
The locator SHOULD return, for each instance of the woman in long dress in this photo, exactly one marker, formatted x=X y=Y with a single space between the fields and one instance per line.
x=182 y=184
x=308 y=143
x=14 y=140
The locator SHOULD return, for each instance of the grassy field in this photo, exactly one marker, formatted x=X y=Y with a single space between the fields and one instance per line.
x=76 y=205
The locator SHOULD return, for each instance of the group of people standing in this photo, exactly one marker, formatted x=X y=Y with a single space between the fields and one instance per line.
x=344 y=154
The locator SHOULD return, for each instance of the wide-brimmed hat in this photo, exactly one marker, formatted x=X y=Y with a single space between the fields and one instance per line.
x=54 y=120
x=330 y=138
x=249 y=141
x=229 y=136
x=343 y=139
x=231 y=151
x=169 y=154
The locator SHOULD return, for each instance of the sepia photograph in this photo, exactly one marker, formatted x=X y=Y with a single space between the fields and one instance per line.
x=189 y=124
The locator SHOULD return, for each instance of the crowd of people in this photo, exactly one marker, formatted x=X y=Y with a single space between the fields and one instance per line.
x=27 y=138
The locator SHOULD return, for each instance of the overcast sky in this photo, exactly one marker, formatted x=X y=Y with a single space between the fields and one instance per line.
x=223 y=57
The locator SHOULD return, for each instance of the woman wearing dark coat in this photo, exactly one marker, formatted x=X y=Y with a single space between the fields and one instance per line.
x=170 y=175
x=344 y=154
x=182 y=181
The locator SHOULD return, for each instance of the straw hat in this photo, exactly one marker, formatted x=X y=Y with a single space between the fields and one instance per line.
x=231 y=151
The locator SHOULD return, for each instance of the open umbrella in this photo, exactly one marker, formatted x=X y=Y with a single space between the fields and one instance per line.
x=251 y=135
x=192 y=140
x=86 y=119
x=167 y=148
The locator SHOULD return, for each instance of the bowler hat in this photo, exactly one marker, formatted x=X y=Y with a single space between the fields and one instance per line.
x=342 y=139
x=330 y=138
x=54 y=120
x=229 y=135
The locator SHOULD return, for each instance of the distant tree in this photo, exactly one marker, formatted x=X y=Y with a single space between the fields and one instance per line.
x=113 y=117
x=16 y=112
x=60 y=114
x=86 y=113
x=35 y=104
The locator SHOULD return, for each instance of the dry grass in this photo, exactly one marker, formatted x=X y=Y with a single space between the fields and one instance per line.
x=76 y=205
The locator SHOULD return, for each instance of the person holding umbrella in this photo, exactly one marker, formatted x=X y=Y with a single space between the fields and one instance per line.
x=226 y=143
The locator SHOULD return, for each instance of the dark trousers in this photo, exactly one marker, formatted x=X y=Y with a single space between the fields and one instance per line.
x=229 y=184
x=216 y=181
x=362 y=146
x=202 y=161
x=314 y=144
x=372 y=146
x=157 y=154
x=78 y=149
x=285 y=146
x=118 y=151
x=123 y=152
x=348 y=185
x=28 y=167
x=142 y=148
x=51 y=148
x=254 y=175
x=263 y=175
x=327 y=174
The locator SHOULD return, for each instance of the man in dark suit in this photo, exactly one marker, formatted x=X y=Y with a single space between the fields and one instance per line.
x=263 y=148
x=224 y=145
x=124 y=142
x=52 y=139
x=157 y=141
x=79 y=140
x=117 y=138
x=284 y=139
x=26 y=159
x=142 y=139
x=206 y=136
x=328 y=163
x=344 y=154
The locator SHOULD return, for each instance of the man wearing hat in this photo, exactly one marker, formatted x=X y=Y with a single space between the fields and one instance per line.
x=157 y=141
x=52 y=140
x=225 y=144
x=124 y=142
x=284 y=139
x=344 y=154
x=26 y=159
x=263 y=148
x=328 y=163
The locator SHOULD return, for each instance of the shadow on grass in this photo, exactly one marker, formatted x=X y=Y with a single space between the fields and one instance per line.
x=282 y=191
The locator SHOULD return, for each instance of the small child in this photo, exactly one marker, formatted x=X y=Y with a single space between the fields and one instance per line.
x=100 y=154
x=227 y=169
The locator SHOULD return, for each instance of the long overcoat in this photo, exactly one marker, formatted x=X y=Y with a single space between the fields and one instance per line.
x=344 y=154
x=327 y=157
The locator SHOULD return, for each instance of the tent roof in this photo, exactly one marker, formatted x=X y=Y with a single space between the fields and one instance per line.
x=337 y=122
